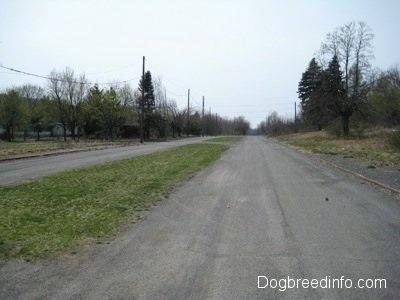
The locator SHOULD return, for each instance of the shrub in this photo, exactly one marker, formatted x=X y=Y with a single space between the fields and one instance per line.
x=394 y=139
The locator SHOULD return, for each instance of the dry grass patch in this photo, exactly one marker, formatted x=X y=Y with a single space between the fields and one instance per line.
x=375 y=148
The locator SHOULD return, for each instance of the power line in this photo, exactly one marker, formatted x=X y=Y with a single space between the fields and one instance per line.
x=64 y=80
x=252 y=105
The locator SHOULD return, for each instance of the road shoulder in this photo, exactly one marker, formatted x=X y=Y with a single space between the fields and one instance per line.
x=386 y=177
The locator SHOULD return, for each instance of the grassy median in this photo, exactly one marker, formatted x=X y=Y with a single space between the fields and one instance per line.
x=56 y=213
x=225 y=139
x=31 y=147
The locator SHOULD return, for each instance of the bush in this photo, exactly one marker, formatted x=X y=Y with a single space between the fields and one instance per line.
x=394 y=139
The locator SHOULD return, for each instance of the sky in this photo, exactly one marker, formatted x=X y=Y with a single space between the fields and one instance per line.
x=245 y=57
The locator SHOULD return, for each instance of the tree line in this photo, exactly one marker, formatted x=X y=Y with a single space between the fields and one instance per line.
x=339 y=85
x=78 y=108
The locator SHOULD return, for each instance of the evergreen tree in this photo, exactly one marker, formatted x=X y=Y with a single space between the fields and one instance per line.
x=333 y=87
x=309 y=90
x=148 y=103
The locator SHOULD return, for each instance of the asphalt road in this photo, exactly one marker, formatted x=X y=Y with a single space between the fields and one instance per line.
x=261 y=210
x=15 y=171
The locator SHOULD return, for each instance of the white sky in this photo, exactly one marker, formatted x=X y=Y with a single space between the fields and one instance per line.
x=245 y=56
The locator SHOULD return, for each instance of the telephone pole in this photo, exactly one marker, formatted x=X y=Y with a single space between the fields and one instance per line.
x=188 y=114
x=295 y=117
x=202 y=120
x=141 y=114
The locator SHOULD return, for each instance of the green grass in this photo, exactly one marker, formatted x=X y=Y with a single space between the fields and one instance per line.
x=225 y=139
x=30 y=146
x=56 y=213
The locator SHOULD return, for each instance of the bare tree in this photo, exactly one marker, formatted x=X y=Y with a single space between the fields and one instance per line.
x=362 y=54
x=352 y=45
x=160 y=96
x=56 y=91
x=69 y=92
x=126 y=95
x=177 y=118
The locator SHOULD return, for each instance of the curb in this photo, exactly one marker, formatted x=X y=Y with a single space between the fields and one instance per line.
x=378 y=183
x=347 y=171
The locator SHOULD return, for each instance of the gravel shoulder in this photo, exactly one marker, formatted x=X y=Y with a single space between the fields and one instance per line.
x=389 y=176
x=384 y=176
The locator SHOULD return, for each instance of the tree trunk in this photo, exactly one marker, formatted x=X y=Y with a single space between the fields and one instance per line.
x=112 y=134
x=8 y=134
x=65 y=132
x=72 y=127
x=345 y=124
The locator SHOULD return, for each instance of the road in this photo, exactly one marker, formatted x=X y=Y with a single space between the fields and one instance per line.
x=15 y=171
x=261 y=210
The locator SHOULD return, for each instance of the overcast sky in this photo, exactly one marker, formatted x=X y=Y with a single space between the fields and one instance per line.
x=245 y=56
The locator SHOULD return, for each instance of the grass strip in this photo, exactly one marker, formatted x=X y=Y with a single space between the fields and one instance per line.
x=58 y=212
x=29 y=147
x=225 y=139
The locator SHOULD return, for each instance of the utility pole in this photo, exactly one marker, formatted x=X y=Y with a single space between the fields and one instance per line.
x=188 y=114
x=295 y=117
x=216 y=124
x=165 y=103
x=202 y=119
x=141 y=119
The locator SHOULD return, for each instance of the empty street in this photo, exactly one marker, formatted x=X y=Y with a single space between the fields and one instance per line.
x=263 y=211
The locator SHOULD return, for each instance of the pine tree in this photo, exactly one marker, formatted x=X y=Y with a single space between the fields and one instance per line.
x=334 y=88
x=148 y=103
x=309 y=91
x=146 y=84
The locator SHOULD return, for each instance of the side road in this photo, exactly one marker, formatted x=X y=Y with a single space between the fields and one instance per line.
x=19 y=170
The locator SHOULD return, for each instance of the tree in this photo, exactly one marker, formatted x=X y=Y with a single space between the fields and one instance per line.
x=104 y=112
x=33 y=95
x=177 y=119
x=384 y=98
x=92 y=112
x=13 y=113
x=69 y=92
x=126 y=97
x=351 y=44
x=112 y=113
x=148 y=103
x=240 y=126
x=309 y=91
x=161 y=108
x=56 y=92
x=333 y=89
